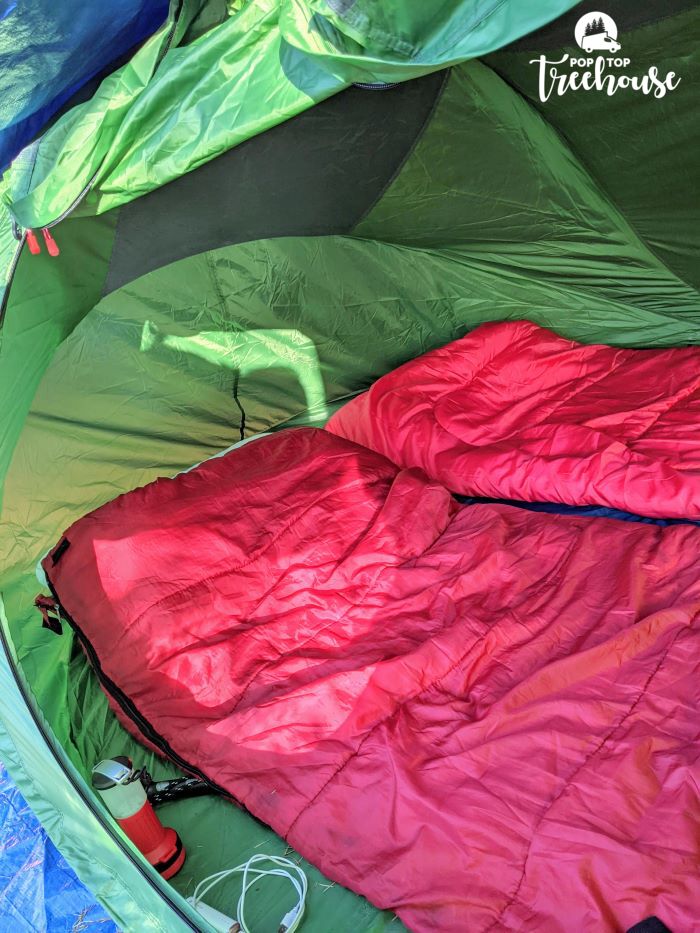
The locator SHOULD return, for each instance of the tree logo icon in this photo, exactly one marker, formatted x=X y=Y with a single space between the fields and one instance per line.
x=597 y=32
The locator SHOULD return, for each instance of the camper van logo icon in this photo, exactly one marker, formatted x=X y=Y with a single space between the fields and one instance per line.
x=597 y=32
x=600 y=70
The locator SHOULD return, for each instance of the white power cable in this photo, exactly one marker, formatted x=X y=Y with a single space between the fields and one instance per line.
x=284 y=868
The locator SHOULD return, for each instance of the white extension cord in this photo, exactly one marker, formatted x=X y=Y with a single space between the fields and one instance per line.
x=284 y=868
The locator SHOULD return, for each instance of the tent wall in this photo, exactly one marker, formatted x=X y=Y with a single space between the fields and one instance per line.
x=49 y=297
x=488 y=205
x=39 y=889
x=173 y=108
x=59 y=797
x=48 y=50
x=315 y=175
x=636 y=148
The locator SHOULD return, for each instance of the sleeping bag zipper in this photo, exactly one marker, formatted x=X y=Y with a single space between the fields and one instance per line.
x=127 y=705
x=87 y=799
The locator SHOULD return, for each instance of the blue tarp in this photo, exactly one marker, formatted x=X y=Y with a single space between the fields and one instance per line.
x=50 y=48
x=38 y=891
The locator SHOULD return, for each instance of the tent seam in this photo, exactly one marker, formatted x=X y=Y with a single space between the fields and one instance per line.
x=412 y=148
x=599 y=184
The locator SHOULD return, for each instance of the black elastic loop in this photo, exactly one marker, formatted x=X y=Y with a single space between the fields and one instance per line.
x=60 y=551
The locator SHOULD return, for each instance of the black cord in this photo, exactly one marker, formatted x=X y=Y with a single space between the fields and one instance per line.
x=159 y=792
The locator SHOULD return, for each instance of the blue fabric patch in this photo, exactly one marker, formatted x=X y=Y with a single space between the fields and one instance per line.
x=38 y=891
x=49 y=49
x=588 y=511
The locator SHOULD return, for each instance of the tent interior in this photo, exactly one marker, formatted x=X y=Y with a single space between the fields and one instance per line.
x=266 y=287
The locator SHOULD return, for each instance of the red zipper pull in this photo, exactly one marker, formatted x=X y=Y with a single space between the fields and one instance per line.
x=33 y=243
x=51 y=244
x=50 y=613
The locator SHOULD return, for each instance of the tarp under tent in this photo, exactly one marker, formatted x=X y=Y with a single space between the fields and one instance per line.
x=39 y=889
x=269 y=206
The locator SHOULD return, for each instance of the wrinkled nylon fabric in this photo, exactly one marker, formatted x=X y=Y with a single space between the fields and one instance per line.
x=366 y=665
x=49 y=50
x=172 y=108
x=494 y=187
x=167 y=111
x=500 y=193
x=58 y=483
x=514 y=411
x=396 y=40
x=87 y=447
x=659 y=197
x=39 y=891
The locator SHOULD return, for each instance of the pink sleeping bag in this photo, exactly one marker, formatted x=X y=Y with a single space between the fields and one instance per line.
x=513 y=411
x=483 y=718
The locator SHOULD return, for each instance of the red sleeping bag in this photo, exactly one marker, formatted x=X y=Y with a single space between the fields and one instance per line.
x=513 y=411
x=483 y=718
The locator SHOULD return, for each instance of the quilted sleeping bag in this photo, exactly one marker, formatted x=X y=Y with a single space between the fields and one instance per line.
x=513 y=411
x=481 y=717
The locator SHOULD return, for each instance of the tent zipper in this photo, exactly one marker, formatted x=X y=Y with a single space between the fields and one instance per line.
x=23 y=236
x=29 y=236
x=127 y=705
x=376 y=85
x=71 y=207
x=79 y=790
x=16 y=230
x=10 y=276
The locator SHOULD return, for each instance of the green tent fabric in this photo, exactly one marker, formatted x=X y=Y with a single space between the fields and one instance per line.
x=246 y=233
x=171 y=108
